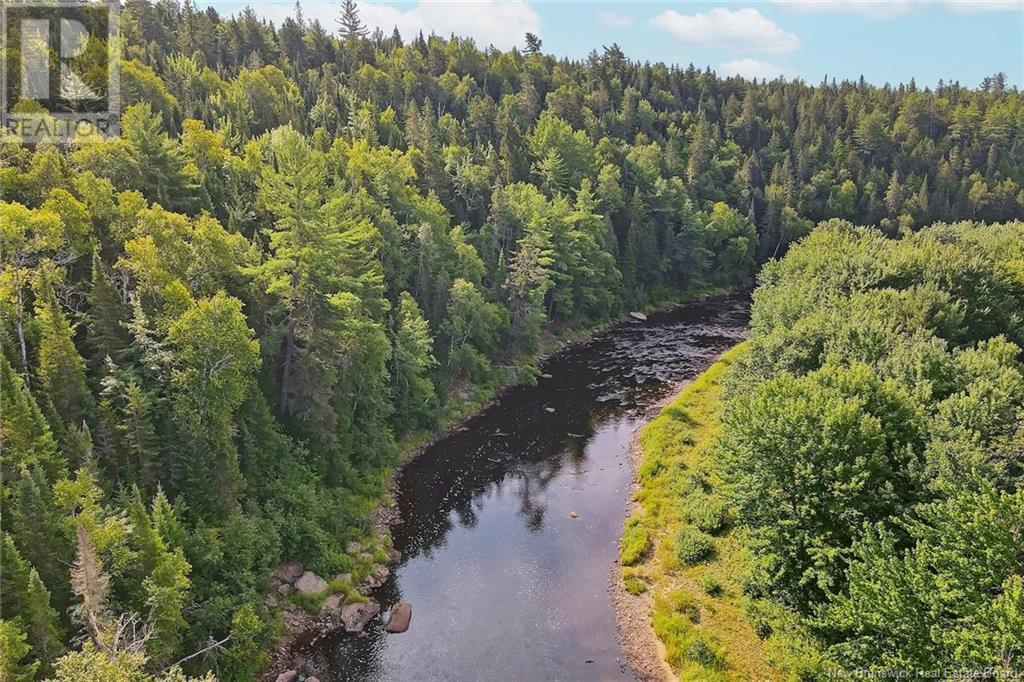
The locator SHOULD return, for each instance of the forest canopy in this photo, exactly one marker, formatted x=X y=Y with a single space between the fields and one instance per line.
x=220 y=328
x=872 y=446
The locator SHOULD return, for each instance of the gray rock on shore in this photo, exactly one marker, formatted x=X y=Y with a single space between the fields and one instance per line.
x=377 y=576
x=332 y=605
x=288 y=573
x=310 y=583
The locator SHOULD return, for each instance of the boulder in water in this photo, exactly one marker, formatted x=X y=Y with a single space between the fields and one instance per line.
x=638 y=316
x=401 y=615
x=354 y=617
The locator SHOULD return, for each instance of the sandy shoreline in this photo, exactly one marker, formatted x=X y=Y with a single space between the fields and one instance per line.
x=641 y=648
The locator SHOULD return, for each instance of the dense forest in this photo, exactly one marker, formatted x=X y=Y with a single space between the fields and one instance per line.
x=843 y=491
x=309 y=247
x=872 y=445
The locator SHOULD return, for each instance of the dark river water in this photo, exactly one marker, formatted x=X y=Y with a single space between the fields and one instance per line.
x=504 y=584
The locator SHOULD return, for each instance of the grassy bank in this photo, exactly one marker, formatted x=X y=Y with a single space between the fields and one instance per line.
x=679 y=543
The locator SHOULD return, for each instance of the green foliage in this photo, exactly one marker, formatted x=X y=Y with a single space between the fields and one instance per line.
x=13 y=650
x=305 y=246
x=710 y=585
x=247 y=653
x=634 y=544
x=635 y=586
x=95 y=665
x=952 y=596
x=709 y=514
x=693 y=546
x=866 y=442
x=413 y=391
x=704 y=653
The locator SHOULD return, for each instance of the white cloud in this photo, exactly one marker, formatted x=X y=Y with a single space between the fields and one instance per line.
x=972 y=6
x=751 y=68
x=615 y=20
x=884 y=9
x=744 y=28
x=501 y=23
x=880 y=9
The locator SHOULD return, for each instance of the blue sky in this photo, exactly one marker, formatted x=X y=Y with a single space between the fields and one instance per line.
x=885 y=41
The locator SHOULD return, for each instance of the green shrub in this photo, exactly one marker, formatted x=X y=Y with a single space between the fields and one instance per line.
x=682 y=602
x=704 y=653
x=709 y=514
x=635 y=586
x=650 y=467
x=312 y=603
x=697 y=481
x=710 y=585
x=635 y=542
x=693 y=546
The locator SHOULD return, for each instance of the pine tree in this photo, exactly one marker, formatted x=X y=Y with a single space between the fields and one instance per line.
x=166 y=595
x=350 y=26
x=13 y=652
x=61 y=370
x=43 y=625
x=894 y=195
x=130 y=411
x=25 y=437
x=14 y=571
x=36 y=526
x=159 y=159
x=414 y=396
x=553 y=174
x=107 y=336
x=533 y=44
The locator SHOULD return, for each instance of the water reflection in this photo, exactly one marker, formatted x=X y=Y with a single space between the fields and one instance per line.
x=504 y=584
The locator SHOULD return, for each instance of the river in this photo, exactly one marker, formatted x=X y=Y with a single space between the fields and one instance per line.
x=504 y=583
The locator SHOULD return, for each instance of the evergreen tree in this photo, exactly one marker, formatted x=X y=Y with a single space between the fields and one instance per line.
x=35 y=524
x=166 y=597
x=533 y=44
x=26 y=437
x=107 y=336
x=350 y=26
x=13 y=652
x=61 y=370
x=412 y=361
x=43 y=626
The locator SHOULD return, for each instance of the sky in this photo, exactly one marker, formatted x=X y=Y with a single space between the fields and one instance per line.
x=883 y=40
